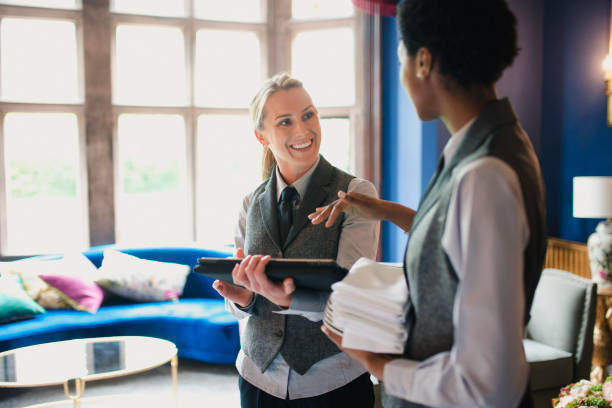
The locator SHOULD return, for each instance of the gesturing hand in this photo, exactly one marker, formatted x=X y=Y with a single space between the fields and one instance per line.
x=351 y=203
x=241 y=296
x=251 y=273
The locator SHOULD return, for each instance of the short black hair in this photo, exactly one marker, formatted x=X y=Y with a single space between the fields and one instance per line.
x=472 y=41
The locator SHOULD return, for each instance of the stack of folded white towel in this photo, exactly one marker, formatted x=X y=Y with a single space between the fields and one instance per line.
x=368 y=307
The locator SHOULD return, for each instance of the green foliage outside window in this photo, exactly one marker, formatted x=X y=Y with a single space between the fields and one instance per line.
x=149 y=178
x=45 y=178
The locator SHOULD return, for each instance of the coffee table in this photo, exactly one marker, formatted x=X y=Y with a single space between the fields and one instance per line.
x=73 y=363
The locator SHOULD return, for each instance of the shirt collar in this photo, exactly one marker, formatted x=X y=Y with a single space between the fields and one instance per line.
x=300 y=184
x=455 y=140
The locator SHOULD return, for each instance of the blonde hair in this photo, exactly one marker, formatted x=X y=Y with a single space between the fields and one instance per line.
x=278 y=82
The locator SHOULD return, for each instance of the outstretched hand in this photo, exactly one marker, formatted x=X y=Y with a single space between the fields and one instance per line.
x=351 y=203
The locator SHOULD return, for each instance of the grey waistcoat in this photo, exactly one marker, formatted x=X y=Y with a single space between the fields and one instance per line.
x=299 y=340
x=431 y=278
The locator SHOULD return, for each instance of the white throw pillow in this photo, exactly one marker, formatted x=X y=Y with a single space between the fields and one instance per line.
x=141 y=279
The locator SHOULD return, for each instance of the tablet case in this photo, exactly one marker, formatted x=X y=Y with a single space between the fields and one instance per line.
x=317 y=274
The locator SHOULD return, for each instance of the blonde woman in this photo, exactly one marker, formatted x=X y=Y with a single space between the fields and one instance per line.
x=285 y=360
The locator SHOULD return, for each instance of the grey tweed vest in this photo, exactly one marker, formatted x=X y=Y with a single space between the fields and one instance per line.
x=299 y=340
x=431 y=278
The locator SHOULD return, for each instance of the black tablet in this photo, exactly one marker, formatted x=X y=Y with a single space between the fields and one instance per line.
x=317 y=274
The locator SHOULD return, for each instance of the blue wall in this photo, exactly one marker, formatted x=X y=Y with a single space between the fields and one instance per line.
x=557 y=90
x=409 y=147
x=576 y=140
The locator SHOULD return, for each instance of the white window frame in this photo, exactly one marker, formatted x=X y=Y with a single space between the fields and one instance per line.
x=77 y=108
x=97 y=115
x=276 y=34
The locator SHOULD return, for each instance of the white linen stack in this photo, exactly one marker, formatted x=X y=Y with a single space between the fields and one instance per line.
x=368 y=307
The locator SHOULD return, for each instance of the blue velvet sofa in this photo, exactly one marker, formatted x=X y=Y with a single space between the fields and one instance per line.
x=197 y=323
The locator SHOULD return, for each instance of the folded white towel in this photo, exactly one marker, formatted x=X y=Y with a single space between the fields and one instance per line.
x=356 y=340
x=365 y=307
x=346 y=319
x=383 y=284
x=369 y=307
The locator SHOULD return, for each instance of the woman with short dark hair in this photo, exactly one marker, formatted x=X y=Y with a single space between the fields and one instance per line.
x=477 y=241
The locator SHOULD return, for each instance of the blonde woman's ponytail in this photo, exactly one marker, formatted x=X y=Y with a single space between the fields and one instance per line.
x=267 y=163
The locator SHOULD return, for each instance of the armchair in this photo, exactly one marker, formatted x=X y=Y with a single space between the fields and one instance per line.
x=559 y=337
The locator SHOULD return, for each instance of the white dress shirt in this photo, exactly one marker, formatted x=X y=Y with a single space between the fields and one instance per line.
x=485 y=235
x=359 y=237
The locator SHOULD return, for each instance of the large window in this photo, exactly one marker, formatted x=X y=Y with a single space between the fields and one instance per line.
x=179 y=144
x=43 y=205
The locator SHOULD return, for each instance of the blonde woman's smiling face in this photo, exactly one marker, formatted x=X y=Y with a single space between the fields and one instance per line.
x=292 y=131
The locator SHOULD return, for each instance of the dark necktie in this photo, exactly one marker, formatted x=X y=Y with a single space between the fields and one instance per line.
x=285 y=212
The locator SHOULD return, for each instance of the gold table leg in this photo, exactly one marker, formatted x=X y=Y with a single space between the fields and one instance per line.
x=174 y=367
x=79 y=389
x=602 y=340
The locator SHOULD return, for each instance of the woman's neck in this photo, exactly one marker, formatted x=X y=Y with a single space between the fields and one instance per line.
x=291 y=174
x=459 y=107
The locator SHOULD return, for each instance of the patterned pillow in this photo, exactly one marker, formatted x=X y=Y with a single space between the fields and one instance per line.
x=15 y=304
x=75 y=291
x=72 y=265
x=141 y=279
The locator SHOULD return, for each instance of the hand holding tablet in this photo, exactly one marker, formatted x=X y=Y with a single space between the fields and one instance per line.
x=316 y=274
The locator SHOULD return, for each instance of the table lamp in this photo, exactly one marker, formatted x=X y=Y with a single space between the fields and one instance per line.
x=593 y=199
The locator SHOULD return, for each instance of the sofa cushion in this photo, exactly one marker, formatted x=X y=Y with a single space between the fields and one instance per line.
x=77 y=292
x=141 y=279
x=15 y=304
x=72 y=266
x=550 y=367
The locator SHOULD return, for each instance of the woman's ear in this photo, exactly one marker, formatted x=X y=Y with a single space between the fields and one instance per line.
x=261 y=138
x=424 y=62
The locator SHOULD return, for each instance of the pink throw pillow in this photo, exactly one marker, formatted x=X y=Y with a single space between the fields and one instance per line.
x=81 y=295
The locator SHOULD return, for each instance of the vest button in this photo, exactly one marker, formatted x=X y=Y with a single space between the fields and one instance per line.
x=279 y=334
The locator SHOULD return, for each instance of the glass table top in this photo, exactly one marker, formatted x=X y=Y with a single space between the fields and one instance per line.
x=87 y=359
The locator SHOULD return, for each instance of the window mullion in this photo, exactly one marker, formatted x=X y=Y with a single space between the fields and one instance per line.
x=369 y=136
x=40 y=12
x=3 y=203
x=97 y=36
x=191 y=117
x=280 y=36
x=301 y=25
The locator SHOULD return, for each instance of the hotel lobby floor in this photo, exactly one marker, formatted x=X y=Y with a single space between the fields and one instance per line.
x=199 y=385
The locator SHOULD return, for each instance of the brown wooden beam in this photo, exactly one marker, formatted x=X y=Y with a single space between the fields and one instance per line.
x=99 y=120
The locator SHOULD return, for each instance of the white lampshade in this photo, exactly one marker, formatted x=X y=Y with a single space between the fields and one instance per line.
x=593 y=197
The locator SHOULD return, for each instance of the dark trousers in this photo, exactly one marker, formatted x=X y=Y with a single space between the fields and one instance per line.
x=359 y=393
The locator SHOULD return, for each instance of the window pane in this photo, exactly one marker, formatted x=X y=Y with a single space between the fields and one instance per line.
x=65 y=4
x=227 y=70
x=153 y=205
x=44 y=205
x=228 y=168
x=320 y=9
x=150 y=67
x=229 y=10
x=39 y=60
x=324 y=61
x=167 y=8
x=336 y=142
